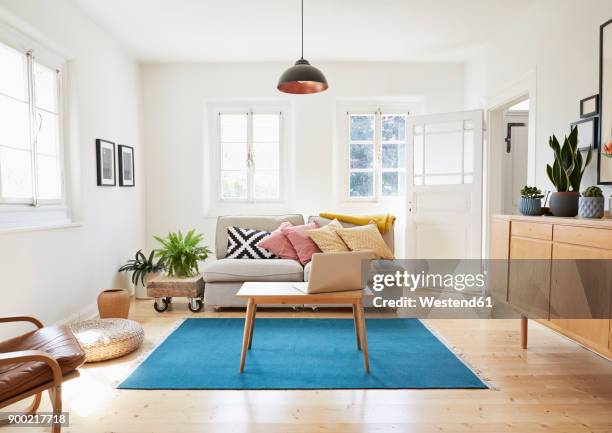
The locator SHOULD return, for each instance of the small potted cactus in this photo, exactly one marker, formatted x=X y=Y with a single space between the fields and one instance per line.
x=591 y=203
x=530 y=202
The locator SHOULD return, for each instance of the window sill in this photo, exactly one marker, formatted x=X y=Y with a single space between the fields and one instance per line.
x=40 y=227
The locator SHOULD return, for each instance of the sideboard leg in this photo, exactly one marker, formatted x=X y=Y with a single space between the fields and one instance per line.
x=523 y=332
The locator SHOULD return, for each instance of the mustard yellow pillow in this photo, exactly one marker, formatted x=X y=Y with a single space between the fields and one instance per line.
x=362 y=238
x=327 y=239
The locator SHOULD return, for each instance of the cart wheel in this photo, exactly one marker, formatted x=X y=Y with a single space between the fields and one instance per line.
x=195 y=305
x=169 y=299
x=160 y=305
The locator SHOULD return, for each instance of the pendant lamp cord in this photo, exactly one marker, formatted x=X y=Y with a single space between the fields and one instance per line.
x=302 y=29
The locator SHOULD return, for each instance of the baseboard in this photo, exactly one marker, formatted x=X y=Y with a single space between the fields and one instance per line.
x=86 y=313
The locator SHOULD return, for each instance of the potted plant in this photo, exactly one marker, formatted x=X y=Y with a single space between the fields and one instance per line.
x=566 y=174
x=143 y=268
x=180 y=254
x=591 y=203
x=530 y=202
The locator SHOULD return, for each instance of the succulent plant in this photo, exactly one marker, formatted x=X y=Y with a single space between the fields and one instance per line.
x=531 y=192
x=567 y=170
x=592 y=191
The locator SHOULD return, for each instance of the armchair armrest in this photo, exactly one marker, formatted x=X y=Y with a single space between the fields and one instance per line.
x=34 y=356
x=33 y=320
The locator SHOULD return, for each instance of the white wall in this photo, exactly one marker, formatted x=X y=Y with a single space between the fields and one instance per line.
x=174 y=101
x=54 y=274
x=558 y=39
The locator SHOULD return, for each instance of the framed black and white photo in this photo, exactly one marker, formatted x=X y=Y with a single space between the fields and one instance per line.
x=604 y=156
x=588 y=133
x=105 y=161
x=126 y=165
x=589 y=107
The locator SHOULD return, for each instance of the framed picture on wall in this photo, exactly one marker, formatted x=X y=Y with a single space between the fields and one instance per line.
x=589 y=106
x=604 y=156
x=105 y=162
x=588 y=133
x=126 y=165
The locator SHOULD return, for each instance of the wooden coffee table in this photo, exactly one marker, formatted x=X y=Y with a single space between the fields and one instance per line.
x=285 y=294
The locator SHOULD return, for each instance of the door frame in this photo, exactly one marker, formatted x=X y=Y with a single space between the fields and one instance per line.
x=524 y=87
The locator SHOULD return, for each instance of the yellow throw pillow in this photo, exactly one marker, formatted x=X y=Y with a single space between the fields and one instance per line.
x=327 y=239
x=362 y=238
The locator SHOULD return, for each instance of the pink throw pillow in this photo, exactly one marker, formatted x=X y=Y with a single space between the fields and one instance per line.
x=278 y=244
x=304 y=246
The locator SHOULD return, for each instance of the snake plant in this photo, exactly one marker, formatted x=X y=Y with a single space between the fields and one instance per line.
x=140 y=266
x=180 y=254
x=567 y=170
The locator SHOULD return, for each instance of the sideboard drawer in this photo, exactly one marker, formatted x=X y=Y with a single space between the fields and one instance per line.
x=532 y=230
x=587 y=236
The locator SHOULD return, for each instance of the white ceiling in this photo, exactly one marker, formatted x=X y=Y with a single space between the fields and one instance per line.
x=269 y=30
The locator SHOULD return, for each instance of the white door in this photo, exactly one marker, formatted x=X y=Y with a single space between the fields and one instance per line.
x=514 y=164
x=444 y=186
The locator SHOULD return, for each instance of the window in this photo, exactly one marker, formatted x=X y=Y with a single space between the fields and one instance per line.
x=30 y=151
x=250 y=148
x=377 y=147
x=444 y=153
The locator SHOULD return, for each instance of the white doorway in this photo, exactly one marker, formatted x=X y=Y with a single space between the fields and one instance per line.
x=444 y=186
x=514 y=154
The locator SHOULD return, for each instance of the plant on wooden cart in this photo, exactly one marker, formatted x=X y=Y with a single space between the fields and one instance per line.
x=180 y=254
x=566 y=174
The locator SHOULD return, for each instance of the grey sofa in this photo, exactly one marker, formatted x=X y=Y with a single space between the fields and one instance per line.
x=223 y=277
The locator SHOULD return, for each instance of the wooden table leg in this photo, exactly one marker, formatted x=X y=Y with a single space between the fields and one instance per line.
x=523 y=332
x=247 y=332
x=252 y=326
x=364 y=337
x=356 y=324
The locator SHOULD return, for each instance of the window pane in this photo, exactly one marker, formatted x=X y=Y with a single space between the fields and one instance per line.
x=362 y=184
x=16 y=172
x=362 y=128
x=393 y=155
x=49 y=177
x=394 y=128
x=266 y=127
x=390 y=183
x=47 y=139
x=45 y=87
x=14 y=123
x=234 y=128
x=13 y=73
x=265 y=184
x=362 y=155
x=443 y=153
x=234 y=184
x=266 y=156
x=234 y=156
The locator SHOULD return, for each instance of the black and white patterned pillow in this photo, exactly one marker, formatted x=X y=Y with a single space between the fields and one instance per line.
x=242 y=244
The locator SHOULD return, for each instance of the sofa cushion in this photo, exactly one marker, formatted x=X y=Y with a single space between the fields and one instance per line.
x=267 y=223
x=242 y=244
x=366 y=238
x=304 y=246
x=327 y=239
x=388 y=237
x=278 y=244
x=307 y=270
x=240 y=270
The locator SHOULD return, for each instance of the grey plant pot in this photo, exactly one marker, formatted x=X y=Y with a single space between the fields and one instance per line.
x=530 y=206
x=591 y=207
x=564 y=204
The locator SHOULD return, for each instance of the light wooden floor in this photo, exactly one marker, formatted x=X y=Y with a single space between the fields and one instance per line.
x=554 y=386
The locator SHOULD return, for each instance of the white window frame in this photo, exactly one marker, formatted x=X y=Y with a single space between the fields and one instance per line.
x=377 y=169
x=249 y=112
x=35 y=212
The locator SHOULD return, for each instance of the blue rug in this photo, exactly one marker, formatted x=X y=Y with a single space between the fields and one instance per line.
x=301 y=354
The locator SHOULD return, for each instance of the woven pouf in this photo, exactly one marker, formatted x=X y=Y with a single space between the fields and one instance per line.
x=104 y=339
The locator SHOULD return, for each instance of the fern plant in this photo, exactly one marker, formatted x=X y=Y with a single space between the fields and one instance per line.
x=142 y=265
x=567 y=170
x=180 y=254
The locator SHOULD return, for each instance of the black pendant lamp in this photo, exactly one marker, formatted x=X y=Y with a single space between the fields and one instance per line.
x=303 y=77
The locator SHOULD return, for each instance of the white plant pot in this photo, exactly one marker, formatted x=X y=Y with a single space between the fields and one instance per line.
x=140 y=291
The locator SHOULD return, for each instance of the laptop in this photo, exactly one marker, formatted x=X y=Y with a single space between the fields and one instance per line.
x=335 y=272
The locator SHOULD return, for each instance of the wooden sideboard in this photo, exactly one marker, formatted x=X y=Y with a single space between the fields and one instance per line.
x=545 y=289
